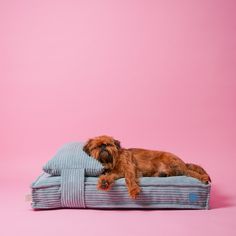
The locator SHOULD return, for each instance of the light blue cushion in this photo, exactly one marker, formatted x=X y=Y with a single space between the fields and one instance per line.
x=71 y=190
x=72 y=156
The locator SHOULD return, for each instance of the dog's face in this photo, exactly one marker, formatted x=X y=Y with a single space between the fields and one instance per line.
x=105 y=149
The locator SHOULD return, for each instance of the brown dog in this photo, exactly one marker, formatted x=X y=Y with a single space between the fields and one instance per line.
x=133 y=163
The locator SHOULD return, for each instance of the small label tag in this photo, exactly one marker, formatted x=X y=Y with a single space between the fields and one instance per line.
x=28 y=197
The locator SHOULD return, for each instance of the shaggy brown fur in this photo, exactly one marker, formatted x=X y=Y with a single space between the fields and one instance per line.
x=135 y=162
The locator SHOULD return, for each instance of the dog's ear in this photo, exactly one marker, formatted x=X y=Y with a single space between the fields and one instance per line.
x=86 y=148
x=117 y=143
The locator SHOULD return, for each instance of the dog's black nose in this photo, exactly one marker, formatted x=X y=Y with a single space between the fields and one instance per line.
x=103 y=147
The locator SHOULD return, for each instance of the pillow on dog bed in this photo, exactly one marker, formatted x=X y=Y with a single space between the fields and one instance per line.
x=72 y=156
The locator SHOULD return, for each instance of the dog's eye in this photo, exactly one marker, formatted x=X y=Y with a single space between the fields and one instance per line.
x=106 y=144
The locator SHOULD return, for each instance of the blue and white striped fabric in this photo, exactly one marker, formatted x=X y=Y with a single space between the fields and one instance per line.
x=70 y=181
x=70 y=191
x=72 y=156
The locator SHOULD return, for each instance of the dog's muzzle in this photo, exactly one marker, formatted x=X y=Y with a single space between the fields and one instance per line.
x=104 y=155
x=103 y=147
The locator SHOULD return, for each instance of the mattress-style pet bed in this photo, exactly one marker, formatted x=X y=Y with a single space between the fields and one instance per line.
x=69 y=180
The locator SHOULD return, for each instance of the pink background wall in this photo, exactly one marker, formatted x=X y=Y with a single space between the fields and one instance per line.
x=154 y=74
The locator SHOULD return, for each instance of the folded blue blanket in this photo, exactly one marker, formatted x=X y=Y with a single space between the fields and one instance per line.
x=70 y=178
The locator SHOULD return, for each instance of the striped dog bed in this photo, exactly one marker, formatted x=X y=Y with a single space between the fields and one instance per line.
x=69 y=181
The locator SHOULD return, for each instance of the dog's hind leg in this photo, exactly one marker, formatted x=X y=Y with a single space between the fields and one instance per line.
x=202 y=177
x=197 y=169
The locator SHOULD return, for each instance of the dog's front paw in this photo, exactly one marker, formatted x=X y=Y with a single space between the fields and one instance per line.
x=103 y=183
x=205 y=179
x=134 y=192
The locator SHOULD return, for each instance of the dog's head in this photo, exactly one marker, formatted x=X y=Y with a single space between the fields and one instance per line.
x=105 y=149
